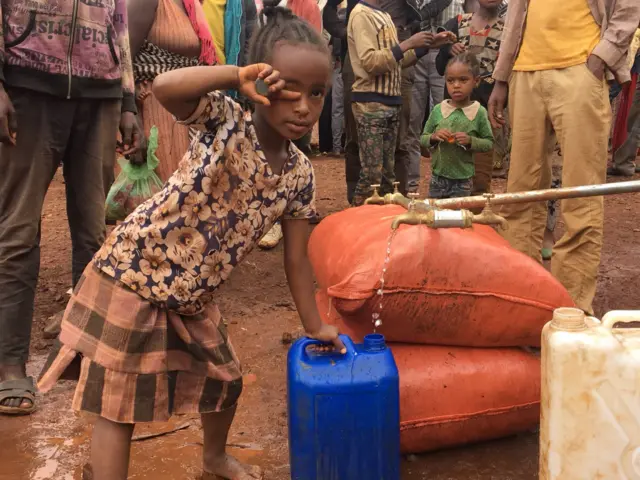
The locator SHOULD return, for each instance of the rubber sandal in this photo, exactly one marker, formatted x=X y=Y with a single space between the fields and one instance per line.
x=23 y=388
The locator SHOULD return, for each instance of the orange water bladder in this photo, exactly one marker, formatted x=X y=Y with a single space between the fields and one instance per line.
x=444 y=286
x=451 y=396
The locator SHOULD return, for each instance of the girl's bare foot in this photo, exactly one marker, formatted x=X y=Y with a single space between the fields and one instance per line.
x=228 y=468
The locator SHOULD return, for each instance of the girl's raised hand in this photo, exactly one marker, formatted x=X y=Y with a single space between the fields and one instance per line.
x=249 y=75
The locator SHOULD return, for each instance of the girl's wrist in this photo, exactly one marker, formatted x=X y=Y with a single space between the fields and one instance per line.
x=312 y=325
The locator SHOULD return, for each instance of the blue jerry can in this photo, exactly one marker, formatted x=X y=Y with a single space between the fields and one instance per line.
x=344 y=412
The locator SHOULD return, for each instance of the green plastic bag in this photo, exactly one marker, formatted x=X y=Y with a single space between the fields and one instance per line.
x=135 y=183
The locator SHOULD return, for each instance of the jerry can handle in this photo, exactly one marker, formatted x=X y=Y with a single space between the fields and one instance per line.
x=301 y=346
x=621 y=316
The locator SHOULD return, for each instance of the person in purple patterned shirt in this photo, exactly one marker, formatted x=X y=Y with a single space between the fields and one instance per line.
x=66 y=84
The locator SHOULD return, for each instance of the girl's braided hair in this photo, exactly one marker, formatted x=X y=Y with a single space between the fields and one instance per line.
x=279 y=24
x=468 y=59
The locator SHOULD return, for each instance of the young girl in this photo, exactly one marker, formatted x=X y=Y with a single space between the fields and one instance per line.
x=457 y=128
x=480 y=34
x=142 y=318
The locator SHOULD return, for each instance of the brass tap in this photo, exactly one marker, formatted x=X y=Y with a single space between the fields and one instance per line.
x=413 y=217
x=488 y=216
x=395 y=198
x=413 y=196
x=435 y=218
x=375 y=198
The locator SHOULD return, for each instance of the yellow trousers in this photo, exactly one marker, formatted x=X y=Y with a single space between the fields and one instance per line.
x=575 y=104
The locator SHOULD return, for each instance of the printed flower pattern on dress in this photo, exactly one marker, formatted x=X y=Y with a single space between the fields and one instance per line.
x=180 y=245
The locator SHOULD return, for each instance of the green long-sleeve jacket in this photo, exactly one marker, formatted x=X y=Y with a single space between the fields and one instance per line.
x=451 y=160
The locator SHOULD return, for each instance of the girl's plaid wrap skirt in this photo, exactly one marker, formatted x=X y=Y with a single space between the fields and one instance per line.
x=139 y=362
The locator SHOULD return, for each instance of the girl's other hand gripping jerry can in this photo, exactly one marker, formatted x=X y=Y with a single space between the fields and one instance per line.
x=344 y=418
x=590 y=424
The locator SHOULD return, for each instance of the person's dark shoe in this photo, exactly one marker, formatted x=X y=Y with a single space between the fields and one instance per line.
x=315 y=220
x=501 y=173
x=54 y=326
x=87 y=472
x=614 y=172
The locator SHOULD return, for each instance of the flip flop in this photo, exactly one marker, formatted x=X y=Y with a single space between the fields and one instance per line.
x=23 y=388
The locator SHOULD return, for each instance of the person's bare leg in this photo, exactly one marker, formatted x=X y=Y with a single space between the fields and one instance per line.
x=216 y=461
x=110 y=449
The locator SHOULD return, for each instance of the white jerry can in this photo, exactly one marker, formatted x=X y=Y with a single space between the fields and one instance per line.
x=590 y=409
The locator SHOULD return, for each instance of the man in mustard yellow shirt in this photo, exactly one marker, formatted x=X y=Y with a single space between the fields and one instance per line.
x=554 y=61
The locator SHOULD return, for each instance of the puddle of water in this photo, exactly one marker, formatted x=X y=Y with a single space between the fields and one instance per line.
x=47 y=444
x=47 y=471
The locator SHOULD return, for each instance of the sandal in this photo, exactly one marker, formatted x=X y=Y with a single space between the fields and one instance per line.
x=23 y=388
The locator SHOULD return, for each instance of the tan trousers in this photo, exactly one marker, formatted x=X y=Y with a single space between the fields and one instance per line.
x=575 y=104
x=484 y=170
x=487 y=161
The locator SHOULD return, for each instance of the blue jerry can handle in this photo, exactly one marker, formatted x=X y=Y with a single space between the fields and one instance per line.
x=300 y=349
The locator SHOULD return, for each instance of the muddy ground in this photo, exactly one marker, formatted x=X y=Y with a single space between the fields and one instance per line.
x=53 y=443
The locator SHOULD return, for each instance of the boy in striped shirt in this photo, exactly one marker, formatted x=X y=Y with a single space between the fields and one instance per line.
x=377 y=59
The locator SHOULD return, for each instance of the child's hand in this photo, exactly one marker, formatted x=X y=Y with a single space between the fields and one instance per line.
x=328 y=334
x=420 y=40
x=443 y=38
x=442 y=135
x=248 y=75
x=457 y=49
x=462 y=138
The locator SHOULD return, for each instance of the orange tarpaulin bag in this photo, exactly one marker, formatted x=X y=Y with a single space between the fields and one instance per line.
x=451 y=396
x=445 y=286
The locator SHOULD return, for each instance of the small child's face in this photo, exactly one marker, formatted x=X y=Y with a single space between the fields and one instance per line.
x=460 y=81
x=306 y=70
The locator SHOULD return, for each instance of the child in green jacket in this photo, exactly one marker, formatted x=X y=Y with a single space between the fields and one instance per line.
x=456 y=129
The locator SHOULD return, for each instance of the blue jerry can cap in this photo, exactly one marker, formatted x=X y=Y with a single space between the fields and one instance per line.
x=374 y=343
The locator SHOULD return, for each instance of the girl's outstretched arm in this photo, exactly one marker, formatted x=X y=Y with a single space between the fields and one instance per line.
x=180 y=91
x=300 y=278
